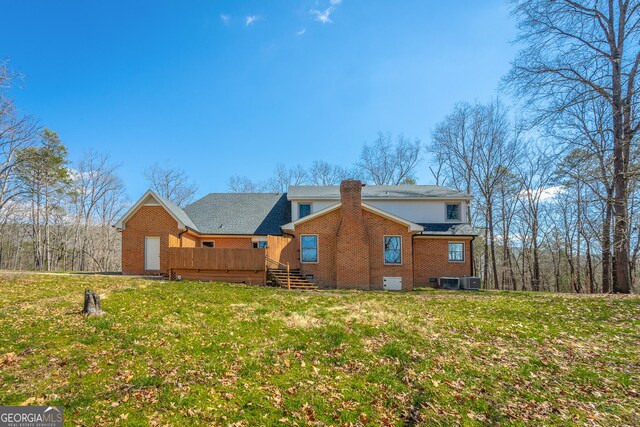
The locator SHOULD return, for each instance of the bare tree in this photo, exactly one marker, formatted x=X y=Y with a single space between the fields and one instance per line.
x=242 y=184
x=97 y=197
x=480 y=148
x=536 y=177
x=283 y=177
x=324 y=173
x=171 y=183
x=385 y=162
x=575 y=52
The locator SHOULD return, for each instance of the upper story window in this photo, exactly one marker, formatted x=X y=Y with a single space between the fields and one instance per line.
x=208 y=244
x=259 y=245
x=453 y=212
x=456 y=252
x=309 y=248
x=304 y=209
x=392 y=250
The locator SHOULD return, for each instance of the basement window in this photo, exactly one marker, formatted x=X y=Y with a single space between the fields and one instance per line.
x=392 y=250
x=309 y=248
x=456 y=252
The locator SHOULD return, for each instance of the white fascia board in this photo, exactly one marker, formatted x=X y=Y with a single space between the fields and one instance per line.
x=120 y=224
x=378 y=198
x=292 y=225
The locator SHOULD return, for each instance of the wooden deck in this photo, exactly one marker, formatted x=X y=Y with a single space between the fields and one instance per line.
x=245 y=265
x=216 y=259
x=229 y=265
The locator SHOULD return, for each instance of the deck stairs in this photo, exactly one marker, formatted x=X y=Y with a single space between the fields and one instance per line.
x=291 y=279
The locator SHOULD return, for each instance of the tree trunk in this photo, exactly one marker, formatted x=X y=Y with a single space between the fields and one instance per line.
x=535 y=275
x=485 y=261
x=606 y=246
x=92 y=304
x=620 y=179
x=494 y=264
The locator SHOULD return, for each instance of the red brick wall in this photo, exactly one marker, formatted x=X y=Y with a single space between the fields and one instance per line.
x=194 y=241
x=148 y=221
x=431 y=259
x=189 y=241
x=230 y=242
x=378 y=227
x=326 y=227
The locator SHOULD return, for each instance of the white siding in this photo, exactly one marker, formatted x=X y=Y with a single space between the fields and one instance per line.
x=419 y=211
x=316 y=205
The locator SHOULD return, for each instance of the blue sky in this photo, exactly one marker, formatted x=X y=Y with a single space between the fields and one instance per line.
x=221 y=88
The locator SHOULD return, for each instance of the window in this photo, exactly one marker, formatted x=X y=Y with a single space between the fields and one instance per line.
x=208 y=244
x=456 y=252
x=453 y=212
x=309 y=248
x=259 y=245
x=392 y=250
x=304 y=210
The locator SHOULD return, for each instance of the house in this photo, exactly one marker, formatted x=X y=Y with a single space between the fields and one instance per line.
x=351 y=236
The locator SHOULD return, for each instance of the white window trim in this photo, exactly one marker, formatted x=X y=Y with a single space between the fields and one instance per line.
x=202 y=242
x=401 y=251
x=317 y=249
x=464 y=250
x=459 y=212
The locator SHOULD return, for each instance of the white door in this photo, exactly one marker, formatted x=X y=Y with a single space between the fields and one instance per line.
x=152 y=253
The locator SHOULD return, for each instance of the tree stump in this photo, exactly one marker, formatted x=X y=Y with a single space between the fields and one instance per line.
x=92 y=304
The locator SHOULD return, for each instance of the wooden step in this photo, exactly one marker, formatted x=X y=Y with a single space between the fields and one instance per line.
x=291 y=279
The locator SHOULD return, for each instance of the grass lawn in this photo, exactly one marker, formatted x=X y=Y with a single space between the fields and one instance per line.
x=187 y=353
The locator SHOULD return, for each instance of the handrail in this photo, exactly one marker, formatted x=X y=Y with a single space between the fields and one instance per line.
x=284 y=266
x=278 y=263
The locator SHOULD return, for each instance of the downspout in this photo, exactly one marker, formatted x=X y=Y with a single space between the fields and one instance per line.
x=472 y=263
x=413 y=262
x=181 y=233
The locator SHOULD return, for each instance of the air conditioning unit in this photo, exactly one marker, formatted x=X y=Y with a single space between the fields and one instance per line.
x=469 y=282
x=449 y=283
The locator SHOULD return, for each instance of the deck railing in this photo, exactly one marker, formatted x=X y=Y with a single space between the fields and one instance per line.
x=216 y=259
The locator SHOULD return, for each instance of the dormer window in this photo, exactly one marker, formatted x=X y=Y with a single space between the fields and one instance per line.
x=453 y=212
x=304 y=209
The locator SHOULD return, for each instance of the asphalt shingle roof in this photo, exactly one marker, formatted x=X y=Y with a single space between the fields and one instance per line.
x=449 y=229
x=240 y=213
x=177 y=212
x=298 y=192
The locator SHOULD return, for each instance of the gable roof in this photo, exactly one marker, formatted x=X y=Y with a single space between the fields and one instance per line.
x=375 y=192
x=151 y=196
x=240 y=213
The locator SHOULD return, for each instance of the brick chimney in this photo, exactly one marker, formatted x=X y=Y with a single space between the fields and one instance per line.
x=352 y=251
